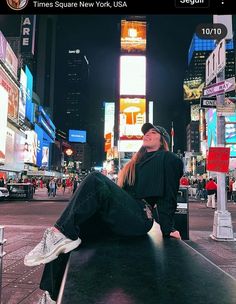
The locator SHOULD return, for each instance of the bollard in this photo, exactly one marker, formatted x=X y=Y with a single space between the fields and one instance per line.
x=2 y=253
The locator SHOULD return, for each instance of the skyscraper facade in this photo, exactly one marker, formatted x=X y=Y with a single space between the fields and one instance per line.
x=76 y=89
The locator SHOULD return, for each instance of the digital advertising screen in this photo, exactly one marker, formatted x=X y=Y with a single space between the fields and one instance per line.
x=3 y=123
x=230 y=131
x=13 y=93
x=29 y=93
x=22 y=97
x=133 y=36
x=132 y=117
x=230 y=134
x=39 y=133
x=78 y=136
x=45 y=156
x=193 y=89
x=30 y=148
x=133 y=75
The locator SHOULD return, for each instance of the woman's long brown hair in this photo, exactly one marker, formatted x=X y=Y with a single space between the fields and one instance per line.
x=127 y=173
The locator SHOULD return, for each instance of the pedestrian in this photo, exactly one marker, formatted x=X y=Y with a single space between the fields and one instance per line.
x=2 y=184
x=75 y=184
x=234 y=191
x=230 y=188
x=146 y=191
x=52 y=187
x=184 y=181
x=63 y=186
x=47 y=186
x=211 y=188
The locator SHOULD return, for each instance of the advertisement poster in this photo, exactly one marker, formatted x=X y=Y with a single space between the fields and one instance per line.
x=39 y=132
x=133 y=36
x=30 y=150
x=13 y=94
x=193 y=89
x=22 y=99
x=45 y=156
x=132 y=117
x=3 y=123
x=10 y=143
x=11 y=60
x=133 y=75
x=29 y=92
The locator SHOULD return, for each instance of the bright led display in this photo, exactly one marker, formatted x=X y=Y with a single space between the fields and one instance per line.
x=133 y=36
x=133 y=75
x=132 y=117
x=129 y=145
x=77 y=136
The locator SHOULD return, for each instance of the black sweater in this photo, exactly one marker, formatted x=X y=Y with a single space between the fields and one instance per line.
x=157 y=175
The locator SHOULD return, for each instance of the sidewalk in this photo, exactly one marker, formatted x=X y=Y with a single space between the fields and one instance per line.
x=25 y=223
x=41 y=194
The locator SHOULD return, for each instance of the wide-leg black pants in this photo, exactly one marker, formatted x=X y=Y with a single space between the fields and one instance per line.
x=97 y=207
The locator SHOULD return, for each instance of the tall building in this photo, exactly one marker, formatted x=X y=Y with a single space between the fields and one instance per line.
x=71 y=108
x=75 y=90
x=45 y=60
x=193 y=136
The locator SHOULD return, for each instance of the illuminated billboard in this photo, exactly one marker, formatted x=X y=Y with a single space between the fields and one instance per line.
x=230 y=131
x=10 y=149
x=133 y=36
x=132 y=117
x=11 y=60
x=195 y=112
x=211 y=119
x=193 y=88
x=108 y=139
x=109 y=121
x=3 y=47
x=13 y=94
x=22 y=99
x=29 y=113
x=230 y=134
x=7 y=55
x=77 y=136
x=39 y=132
x=28 y=24
x=30 y=149
x=45 y=156
x=133 y=75
x=129 y=145
x=3 y=123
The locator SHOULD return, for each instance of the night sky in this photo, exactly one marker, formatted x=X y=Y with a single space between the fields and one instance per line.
x=169 y=38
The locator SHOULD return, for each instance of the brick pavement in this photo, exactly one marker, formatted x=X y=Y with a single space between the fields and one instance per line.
x=25 y=222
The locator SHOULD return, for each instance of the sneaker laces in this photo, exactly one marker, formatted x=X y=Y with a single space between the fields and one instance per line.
x=49 y=236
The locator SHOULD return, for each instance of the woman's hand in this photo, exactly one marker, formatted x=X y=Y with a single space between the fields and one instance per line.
x=175 y=234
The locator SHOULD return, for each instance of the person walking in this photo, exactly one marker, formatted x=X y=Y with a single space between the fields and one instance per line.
x=63 y=186
x=211 y=188
x=52 y=187
x=75 y=184
x=146 y=190
x=234 y=191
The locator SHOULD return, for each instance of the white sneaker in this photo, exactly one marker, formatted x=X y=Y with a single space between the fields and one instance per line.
x=52 y=244
x=46 y=299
